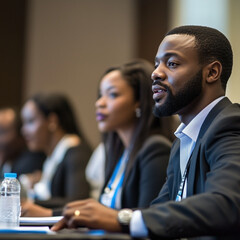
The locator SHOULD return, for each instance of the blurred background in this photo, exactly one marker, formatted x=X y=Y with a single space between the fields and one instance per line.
x=66 y=45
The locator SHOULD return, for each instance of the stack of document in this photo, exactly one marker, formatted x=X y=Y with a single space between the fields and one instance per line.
x=38 y=230
x=39 y=225
x=39 y=221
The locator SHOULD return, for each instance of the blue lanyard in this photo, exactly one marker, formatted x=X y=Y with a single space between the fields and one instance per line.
x=113 y=202
x=119 y=184
x=109 y=186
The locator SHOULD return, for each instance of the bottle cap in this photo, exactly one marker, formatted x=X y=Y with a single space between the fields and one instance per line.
x=10 y=175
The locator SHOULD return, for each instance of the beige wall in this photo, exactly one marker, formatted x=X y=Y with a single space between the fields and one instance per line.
x=234 y=35
x=69 y=45
x=221 y=14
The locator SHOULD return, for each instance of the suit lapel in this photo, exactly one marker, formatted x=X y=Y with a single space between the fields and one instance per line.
x=212 y=114
x=175 y=161
x=192 y=170
x=194 y=157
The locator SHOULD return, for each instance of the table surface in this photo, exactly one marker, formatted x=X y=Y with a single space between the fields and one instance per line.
x=61 y=236
x=65 y=235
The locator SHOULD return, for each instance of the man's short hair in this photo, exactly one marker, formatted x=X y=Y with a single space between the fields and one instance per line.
x=211 y=45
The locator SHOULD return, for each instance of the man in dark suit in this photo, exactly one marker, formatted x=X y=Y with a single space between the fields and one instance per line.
x=201 y=197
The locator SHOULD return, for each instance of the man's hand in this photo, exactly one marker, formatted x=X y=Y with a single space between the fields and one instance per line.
x=88 y=213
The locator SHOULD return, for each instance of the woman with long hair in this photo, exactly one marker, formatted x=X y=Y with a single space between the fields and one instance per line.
x=136 y=151
x=49 y=125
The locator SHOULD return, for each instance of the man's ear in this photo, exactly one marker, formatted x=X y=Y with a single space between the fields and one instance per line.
x=213 y=71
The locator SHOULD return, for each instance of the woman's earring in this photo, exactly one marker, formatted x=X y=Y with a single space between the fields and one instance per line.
x=138 y=112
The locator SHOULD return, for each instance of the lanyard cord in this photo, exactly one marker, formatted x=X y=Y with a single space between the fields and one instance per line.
x=113 y=202
x=182 y=184
x=116 y=171
x=115 y=182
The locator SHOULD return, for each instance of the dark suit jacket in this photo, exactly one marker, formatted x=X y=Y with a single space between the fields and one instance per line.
x=212 y=207
x=26 y=162
x=69 y=181
x=148 y=173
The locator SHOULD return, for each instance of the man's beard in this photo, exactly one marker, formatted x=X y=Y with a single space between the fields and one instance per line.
x=190 y=91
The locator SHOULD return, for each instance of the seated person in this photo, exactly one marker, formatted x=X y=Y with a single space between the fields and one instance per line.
x=136 y=151
x=49 y=125
x=14 y=155
x=201 y=197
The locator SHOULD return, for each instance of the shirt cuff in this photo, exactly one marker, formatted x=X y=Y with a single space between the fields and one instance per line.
x=137 y=225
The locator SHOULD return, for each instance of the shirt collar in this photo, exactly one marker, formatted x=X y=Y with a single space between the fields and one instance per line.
x=193 y=128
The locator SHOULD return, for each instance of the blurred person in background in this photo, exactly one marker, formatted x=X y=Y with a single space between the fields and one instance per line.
x=136 y=151
x=14 y=155
x=49 y=125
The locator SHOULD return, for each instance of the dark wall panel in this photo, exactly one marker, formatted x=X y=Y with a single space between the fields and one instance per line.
x=153 y=18
x=12 y=27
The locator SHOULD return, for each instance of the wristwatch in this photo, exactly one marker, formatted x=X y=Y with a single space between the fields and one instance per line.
x=124 y=218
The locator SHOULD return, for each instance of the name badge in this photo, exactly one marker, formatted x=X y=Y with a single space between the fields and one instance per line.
x=106 y=198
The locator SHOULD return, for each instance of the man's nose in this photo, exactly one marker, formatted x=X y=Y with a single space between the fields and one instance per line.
x=158 y=74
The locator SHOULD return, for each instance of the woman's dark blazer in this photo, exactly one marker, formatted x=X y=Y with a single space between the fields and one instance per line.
x=69 y=182
x=148 y=173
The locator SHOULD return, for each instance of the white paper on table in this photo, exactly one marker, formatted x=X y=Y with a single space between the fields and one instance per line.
x=39 y=221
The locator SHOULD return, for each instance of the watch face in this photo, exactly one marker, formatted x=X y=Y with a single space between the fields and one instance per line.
x=124 y=216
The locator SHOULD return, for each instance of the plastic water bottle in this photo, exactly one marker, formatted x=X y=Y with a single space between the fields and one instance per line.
x=10 y=208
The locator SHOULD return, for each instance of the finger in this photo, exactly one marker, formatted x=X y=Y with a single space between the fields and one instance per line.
x=77 y=203
x=72 y=204
x=59 y=225
x=24 y=208
x=75 y=222
x=23 y=212
x=69 y=212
